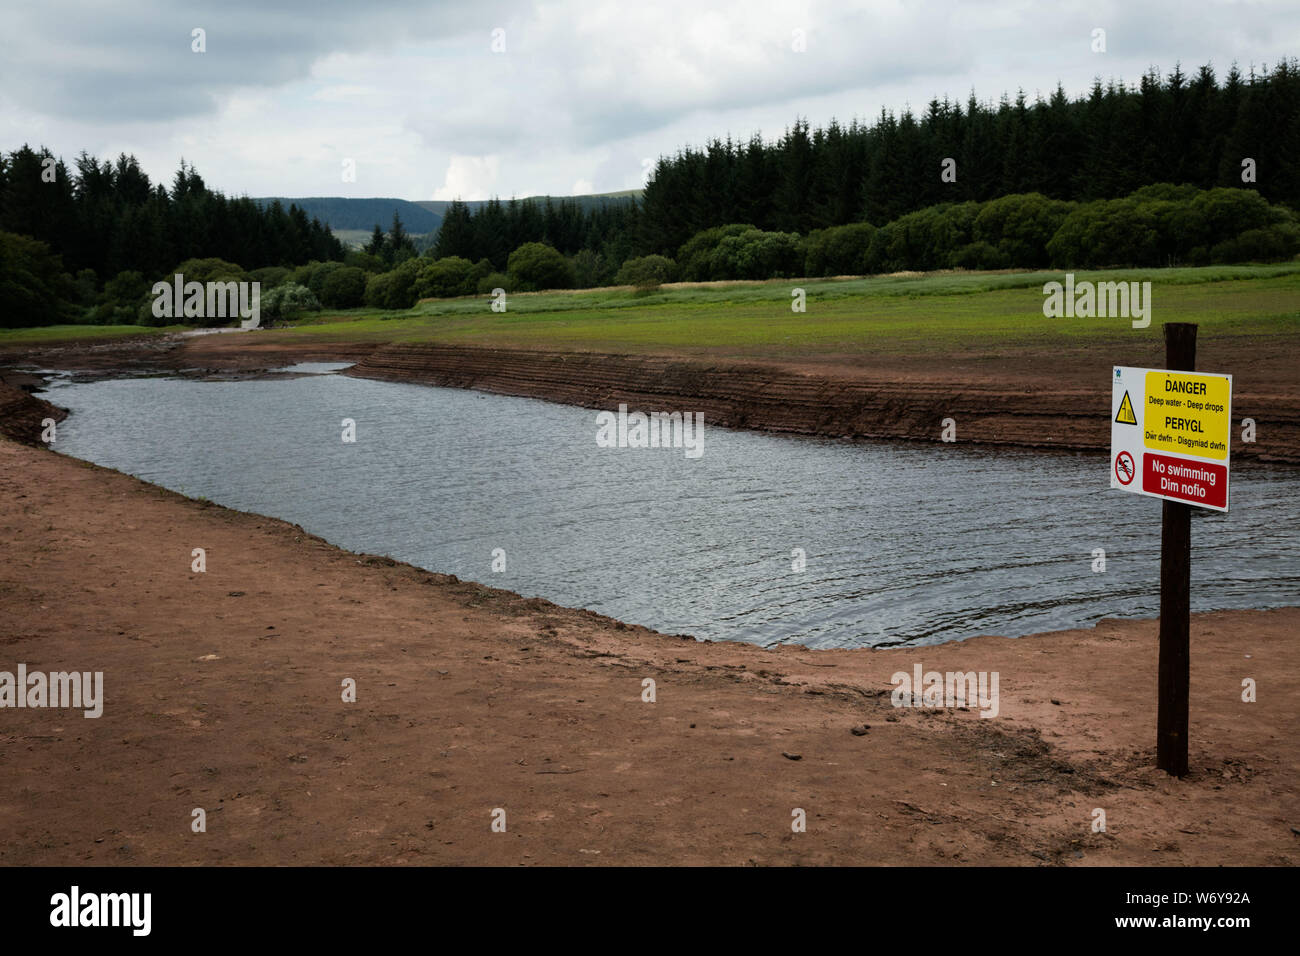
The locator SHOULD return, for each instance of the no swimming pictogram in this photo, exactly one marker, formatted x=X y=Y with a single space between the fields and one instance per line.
x=1124 y=469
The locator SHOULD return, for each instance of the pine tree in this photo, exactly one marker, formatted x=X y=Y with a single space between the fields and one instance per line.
x=377 y=243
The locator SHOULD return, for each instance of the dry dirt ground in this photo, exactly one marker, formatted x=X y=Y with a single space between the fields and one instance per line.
x=223 y=692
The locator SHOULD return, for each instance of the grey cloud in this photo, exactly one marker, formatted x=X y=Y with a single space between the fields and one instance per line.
x=586 y=85
x=134 y=62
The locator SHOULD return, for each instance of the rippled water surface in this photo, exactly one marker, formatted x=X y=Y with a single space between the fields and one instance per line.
x=903 y=543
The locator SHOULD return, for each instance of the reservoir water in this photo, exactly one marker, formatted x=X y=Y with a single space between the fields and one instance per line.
x=900 y=543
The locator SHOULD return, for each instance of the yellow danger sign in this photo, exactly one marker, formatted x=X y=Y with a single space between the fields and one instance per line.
x=1186 y=413
x=1125 y=414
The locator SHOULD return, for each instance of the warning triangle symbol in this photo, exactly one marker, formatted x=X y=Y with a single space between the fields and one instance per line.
x=1125 y=414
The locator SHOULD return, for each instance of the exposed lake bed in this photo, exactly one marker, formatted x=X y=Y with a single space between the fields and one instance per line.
x=524 y=703
x=222 y=690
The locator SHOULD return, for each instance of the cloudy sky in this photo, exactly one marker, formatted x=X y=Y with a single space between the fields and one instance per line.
x=575 y=97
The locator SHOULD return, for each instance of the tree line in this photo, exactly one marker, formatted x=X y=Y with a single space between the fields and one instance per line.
x=77 y=243
x=103 y=219
x=600 y=237
x=107 y=216
x=1108 y=143
x=1116 y=139
x=1157 y=225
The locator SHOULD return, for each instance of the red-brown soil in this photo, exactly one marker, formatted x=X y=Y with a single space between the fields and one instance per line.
x=22 y=416
x=223 y=693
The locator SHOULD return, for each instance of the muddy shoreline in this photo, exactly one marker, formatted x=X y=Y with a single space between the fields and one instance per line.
x=1047 y=399
x=23 y=416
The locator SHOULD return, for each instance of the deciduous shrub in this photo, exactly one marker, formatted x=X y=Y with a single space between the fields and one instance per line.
x=837 y=251
x=646 y=272
x=695 y=257
x=446 y=277
x=34 y=288
x=270 y=276
x=535 y=265
x=922 y=240
x=344 y=288
x=287 y=301
x=494 y=280
x=394 y=289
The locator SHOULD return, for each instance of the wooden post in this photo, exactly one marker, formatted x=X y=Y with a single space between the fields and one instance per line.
x=1175 y=593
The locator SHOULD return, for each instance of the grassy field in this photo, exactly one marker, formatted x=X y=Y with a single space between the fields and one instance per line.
x=58 y=334
x=911 y=312
x=884 y=313
x=356 y=238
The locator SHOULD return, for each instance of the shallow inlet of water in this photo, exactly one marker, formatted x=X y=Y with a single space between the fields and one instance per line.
x=904 y=543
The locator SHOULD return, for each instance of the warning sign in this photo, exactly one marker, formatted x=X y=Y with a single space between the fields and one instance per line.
x=1125 y=414
x=1188 y=413
x=1175 y=436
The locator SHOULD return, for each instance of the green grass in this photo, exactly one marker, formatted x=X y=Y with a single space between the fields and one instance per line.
x=884 y=313
x=899 y=313
x=54 y=334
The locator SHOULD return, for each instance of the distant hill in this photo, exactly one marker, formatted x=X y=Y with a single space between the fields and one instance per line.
x=439 y=206
x=351 y=220
x=342 y=214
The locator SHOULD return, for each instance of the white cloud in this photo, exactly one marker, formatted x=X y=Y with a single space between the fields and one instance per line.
x=469 y=177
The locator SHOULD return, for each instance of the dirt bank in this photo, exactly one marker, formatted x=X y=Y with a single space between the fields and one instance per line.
x=1047 y=396
x=1029 y=400
x=22 y=415
x=222 y=692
